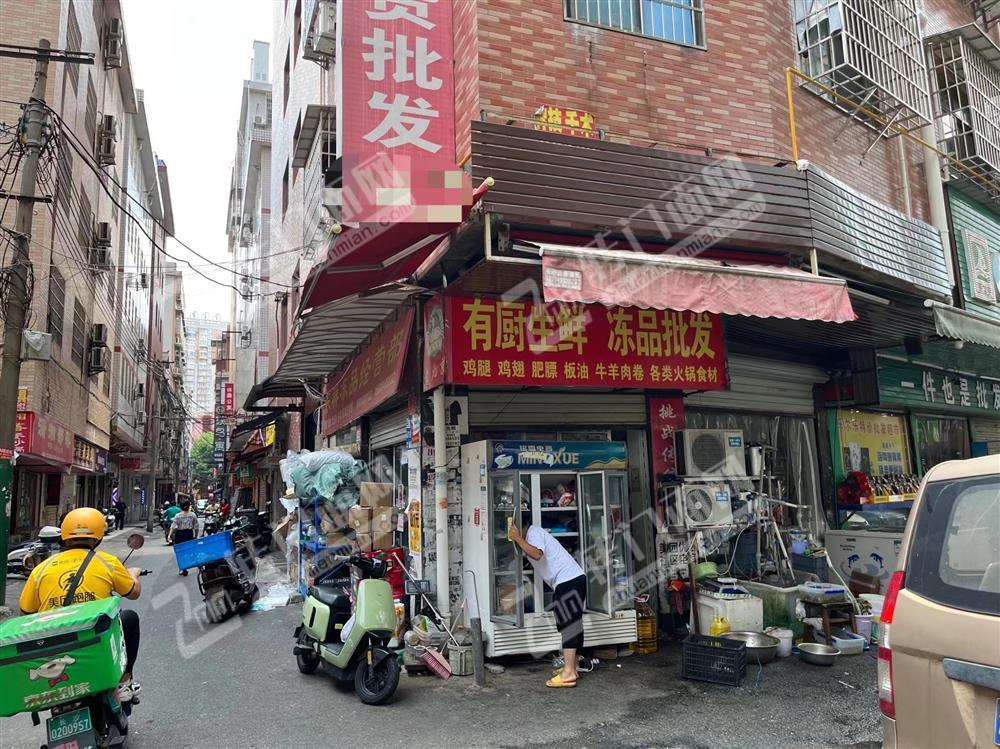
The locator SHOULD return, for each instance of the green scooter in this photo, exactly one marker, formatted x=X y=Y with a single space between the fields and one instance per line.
x=354 y=646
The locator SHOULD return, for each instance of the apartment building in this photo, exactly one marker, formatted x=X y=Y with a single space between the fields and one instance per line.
x=86 y=258
x=202 y=328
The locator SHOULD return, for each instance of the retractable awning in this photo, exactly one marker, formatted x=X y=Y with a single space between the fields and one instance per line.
x=372 y=255
x=614 y=277
x=961 y=325
x=326 y=337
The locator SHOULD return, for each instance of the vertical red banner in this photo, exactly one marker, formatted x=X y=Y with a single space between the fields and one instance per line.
x=435 y=343
x=666 y=416
x=398 y=134
x=229 y=398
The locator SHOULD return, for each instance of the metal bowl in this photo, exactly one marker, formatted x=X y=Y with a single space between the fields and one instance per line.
x=818 y=654
x=761 y=648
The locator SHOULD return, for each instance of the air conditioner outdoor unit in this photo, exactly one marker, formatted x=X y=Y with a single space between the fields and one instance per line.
x=143 y=280
x=113 y=44
x=97 y=361
x=140 y=390
x=99 y=335
x=100 y=257
x=705 y=505
x=710 y=452
x=325 y=39
x=102 y=234
x=107 y=135
x=258 y=121
x=140 y=420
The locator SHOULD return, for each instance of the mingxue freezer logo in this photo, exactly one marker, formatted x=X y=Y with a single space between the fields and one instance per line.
x=532 y=455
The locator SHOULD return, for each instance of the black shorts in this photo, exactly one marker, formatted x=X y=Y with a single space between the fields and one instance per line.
x=568 y=603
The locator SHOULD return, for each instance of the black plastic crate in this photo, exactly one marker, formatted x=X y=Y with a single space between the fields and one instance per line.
x=714 y=659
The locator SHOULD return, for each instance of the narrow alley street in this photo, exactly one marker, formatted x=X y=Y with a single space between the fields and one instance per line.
x=236 y=685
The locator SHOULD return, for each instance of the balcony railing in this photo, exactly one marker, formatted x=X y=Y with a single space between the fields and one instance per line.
x=965 y=75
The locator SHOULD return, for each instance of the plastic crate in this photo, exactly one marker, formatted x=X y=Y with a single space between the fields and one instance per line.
x=204 y=550
x=714 y=659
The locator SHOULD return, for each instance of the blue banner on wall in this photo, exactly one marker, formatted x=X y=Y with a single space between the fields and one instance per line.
x=558 y=456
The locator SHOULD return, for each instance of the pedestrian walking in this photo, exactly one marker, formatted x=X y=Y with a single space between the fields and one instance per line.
x=184 y=527
x=118 y=508
x=563 y=574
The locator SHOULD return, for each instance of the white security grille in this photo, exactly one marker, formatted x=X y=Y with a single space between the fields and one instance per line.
x=965 y=75
x=868 y=51
x=677 y=21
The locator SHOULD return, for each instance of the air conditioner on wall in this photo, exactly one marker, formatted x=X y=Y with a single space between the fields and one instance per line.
x=99 y=335
x=97 y=360
x=102 y=234
x=100 y=257
x=113 y=44
x=705 y=505
x=107 y=135
x=710 y=452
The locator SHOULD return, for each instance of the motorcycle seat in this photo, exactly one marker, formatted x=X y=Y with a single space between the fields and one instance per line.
x=332 y=596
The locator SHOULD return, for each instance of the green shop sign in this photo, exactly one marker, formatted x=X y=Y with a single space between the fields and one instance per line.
x=905 y=384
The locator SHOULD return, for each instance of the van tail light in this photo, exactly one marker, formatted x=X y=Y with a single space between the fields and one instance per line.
x=886 y=693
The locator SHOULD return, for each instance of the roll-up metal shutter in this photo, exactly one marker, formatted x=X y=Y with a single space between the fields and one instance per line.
x=388 y=430
x=528 y=409
x=988 y=431
x=764 y=386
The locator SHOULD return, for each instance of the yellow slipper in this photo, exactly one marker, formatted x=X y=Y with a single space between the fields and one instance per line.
x=556 y=682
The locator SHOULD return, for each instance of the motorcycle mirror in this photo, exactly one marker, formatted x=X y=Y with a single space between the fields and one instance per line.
x=136 y=541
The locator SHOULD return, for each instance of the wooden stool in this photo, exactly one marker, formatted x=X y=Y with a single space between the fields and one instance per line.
x=836 y=612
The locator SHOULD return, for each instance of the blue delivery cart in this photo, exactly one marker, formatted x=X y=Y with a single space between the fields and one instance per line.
x=227 y=573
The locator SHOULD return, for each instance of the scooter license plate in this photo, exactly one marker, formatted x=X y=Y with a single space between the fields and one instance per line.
x=72 y=730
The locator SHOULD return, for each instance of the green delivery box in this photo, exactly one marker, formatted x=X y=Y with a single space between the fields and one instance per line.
x=60 y=655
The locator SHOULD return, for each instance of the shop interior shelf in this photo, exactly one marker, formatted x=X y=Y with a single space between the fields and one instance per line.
x=876 y=506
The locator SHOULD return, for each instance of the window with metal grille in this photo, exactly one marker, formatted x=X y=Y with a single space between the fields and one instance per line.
x=79 y=348
x=676 y=21
x=870 y=52
x=965 y=81
x=86 y=227
x=57 y=305
x=91 y=122
x=64 y=178
x=74 y=41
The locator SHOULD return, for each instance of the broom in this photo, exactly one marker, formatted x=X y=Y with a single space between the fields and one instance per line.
x=436 y=662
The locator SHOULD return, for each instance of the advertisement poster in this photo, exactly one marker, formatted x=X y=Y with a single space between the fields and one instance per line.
x=490 y=341
x=666 y=417
x=414 y=493
x=873 y=443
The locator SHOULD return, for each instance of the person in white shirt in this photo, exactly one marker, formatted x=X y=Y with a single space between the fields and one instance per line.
x=563 y=574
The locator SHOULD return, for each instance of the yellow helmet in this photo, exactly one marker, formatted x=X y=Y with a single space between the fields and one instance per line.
x=85 y=522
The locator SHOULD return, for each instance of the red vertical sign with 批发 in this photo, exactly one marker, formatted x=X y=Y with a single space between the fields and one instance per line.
x=398 y=121
x=666 y=418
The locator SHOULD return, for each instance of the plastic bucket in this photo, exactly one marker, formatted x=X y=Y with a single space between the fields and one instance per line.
x=875 y=601
x=864 y=624
x=784 y=637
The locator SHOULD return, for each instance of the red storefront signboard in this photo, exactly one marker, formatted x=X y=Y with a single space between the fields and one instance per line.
x=398 y=144
x=666 y=418
x=44 y=437
x=129 y=463
x=372 y=377
x=489 y=341
x=229 y=398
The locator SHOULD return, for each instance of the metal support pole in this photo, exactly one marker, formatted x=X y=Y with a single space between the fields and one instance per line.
x=441 y=503
x=16 y=302
x=151 y=499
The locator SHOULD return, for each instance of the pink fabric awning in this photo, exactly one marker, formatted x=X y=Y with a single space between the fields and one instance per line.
x=633 y=279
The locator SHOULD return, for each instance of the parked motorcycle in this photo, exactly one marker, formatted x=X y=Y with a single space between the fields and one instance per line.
x=227 y=572
x=69 y=660
x=253 y=523
x=23 y=558
x=353 y=645
x=211 y=524
x=110 y=522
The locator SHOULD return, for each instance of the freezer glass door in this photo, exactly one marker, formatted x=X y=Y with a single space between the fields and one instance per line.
x=616 y=491
x=506 y=604
x=594 y=527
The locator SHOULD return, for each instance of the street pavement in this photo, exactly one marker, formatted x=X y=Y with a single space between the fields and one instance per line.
x=236 y=685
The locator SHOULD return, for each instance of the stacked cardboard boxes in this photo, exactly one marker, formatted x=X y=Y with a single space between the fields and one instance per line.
x=373 y=519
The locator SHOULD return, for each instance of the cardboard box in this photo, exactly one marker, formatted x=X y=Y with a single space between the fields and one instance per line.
x=339 y=538
x=330 y=519
x=282 y=528
x=363 y=542
x=383 y=520
x=360 y=519
x=375 y=495
x=381 y=540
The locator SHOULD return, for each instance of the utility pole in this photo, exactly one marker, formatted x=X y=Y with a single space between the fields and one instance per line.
x=152 y=500
x=17 y=301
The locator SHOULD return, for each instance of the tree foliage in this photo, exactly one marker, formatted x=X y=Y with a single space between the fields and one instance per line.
x=201 y=458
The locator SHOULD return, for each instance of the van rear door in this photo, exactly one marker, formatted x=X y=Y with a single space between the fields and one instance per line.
x=945 y=633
